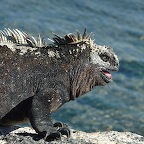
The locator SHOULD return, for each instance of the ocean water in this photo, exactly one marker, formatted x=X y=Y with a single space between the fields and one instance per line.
x=119 y=24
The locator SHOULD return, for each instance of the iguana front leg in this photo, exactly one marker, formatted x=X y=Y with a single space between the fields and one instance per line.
x=42 y=105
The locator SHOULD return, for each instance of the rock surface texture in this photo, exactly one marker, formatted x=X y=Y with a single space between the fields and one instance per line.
x=16 y=135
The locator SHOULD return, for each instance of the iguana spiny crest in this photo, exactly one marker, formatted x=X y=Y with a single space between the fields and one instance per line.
x=68 y=48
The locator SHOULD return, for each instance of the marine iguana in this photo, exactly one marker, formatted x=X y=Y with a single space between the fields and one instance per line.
x=37 y=78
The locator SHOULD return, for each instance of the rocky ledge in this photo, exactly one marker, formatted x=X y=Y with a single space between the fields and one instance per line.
x=17 y=135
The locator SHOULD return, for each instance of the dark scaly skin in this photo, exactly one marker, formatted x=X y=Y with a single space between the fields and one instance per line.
x=32 y=86
x=45 y=86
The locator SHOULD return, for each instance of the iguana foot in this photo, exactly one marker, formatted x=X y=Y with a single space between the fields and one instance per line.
x=39 y=136
x=60 y=125
x=62 y=128
x=51 y=137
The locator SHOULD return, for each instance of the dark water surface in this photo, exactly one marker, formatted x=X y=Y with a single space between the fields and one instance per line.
x=119 y=24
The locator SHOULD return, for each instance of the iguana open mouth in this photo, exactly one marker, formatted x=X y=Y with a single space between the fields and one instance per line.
x=106 y=75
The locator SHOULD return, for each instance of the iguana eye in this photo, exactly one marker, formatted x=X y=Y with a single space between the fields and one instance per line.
x=104 y=57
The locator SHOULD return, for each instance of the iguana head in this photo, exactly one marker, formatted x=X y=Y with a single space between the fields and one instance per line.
x=91 y=63
x=82 y=50
x=105 y=60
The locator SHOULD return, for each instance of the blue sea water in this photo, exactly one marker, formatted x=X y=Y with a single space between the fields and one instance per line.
x=119 y=24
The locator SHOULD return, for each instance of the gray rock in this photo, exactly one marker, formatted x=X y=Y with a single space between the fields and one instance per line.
x=17 y=135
